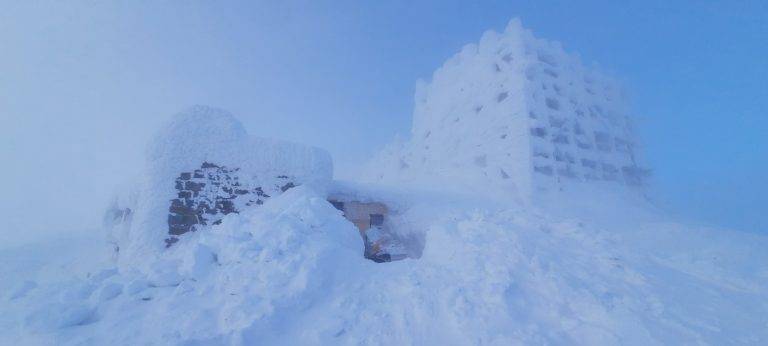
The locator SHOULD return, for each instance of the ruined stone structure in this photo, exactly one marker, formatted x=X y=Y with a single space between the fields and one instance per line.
x=207 y=194
x=202 y=166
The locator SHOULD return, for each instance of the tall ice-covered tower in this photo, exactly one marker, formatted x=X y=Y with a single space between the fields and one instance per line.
x=519 y=111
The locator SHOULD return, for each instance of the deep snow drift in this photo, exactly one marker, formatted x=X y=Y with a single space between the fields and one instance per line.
x=231 y=240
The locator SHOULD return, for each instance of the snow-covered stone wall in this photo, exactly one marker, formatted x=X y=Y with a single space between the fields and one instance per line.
x=517 y=113
x=201 y=167
x=211 y=192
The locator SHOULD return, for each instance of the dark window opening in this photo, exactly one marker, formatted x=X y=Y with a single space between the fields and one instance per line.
x=377 y=220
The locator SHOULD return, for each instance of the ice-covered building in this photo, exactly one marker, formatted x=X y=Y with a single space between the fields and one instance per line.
x=519 y=112
x=201 y=167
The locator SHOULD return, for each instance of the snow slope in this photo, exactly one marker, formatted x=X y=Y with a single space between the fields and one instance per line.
x=291 y=272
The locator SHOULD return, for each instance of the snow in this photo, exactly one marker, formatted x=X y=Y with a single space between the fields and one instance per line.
x=594 y=263
x=206 y=134
x=292 y=272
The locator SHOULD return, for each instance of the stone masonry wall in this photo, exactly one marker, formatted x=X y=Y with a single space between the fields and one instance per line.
x=206 y=195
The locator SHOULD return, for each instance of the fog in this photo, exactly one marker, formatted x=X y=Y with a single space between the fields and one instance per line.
x=84 y=85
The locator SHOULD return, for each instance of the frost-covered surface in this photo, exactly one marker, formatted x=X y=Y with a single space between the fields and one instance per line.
x=591 y=265
x=203 y=133
x=518 y=114
x=138 y=221
x=292 y=272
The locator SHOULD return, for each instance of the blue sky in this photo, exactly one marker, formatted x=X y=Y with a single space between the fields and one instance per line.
x=84 y=85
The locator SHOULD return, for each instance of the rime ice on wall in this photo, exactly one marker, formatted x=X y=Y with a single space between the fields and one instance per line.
x=518 y=112
x=211 y=192
x=200 y=167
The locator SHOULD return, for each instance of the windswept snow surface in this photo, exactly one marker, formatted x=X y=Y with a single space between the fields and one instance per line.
x=291 y=272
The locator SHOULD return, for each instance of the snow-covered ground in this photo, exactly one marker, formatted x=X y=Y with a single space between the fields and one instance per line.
x=292 y=272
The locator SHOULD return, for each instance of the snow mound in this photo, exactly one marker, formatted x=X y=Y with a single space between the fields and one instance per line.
x=202 y=166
